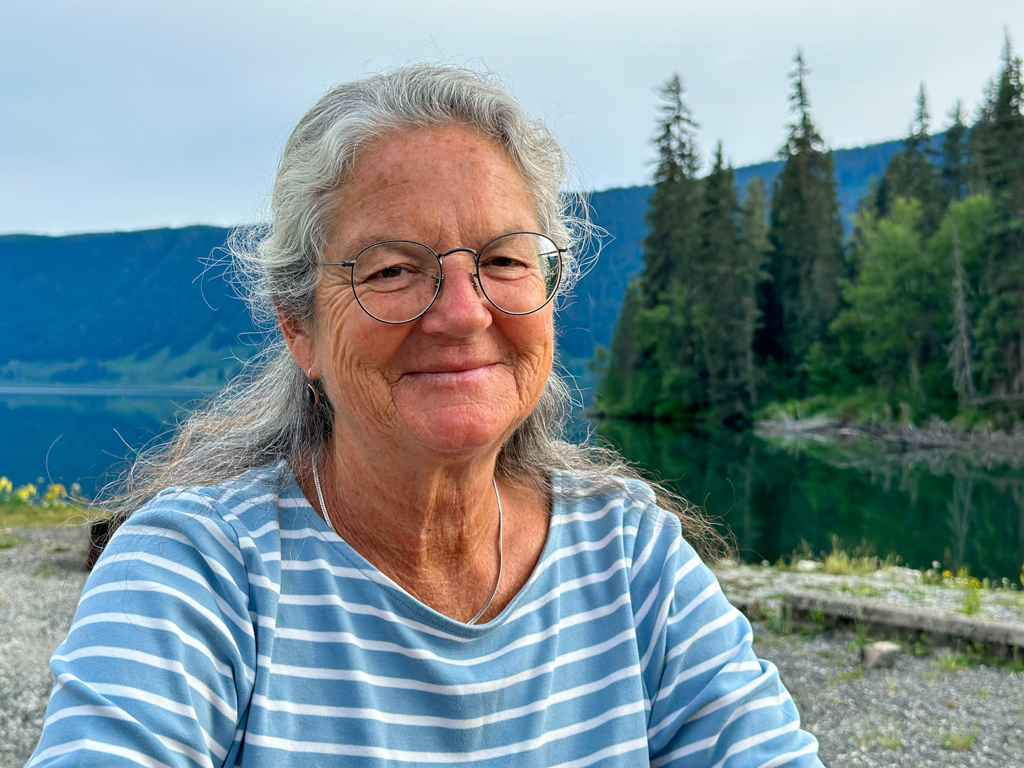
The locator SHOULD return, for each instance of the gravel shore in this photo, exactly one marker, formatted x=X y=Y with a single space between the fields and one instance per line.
x=926 y=711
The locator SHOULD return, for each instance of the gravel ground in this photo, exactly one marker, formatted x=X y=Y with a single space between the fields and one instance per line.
x=912 y=715
x=41 y=578
x=918 y=713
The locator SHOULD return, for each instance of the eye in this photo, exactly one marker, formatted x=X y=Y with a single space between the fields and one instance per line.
x=392 y=271
x=502 y=260
x=392 y=266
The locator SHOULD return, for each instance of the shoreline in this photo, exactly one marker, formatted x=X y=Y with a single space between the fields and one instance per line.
x=935 y=433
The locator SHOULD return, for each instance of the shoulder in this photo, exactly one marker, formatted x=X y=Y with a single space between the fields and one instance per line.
x=598 y=503
x=215 y=522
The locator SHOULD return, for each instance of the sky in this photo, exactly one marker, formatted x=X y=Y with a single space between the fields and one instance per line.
x=129 y=114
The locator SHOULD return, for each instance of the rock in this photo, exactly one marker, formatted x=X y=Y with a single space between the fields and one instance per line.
x=808 y=566
x=881 y=655
x=897 y=575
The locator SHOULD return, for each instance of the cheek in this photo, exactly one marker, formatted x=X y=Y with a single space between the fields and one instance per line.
x=353 y=348
x=534 y=343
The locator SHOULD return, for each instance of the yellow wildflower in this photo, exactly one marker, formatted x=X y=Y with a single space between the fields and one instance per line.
x=946 y=574
x=26 y=492
x=5 y=485
x=55 y=492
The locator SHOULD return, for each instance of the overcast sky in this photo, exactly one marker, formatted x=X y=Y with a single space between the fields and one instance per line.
x=136 y=114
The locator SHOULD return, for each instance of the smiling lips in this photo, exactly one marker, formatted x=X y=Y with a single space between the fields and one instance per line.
x=457 y=374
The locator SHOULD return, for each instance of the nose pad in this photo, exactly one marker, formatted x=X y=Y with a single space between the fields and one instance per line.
x=454 y=306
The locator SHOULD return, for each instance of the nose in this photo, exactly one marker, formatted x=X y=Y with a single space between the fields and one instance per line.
x=461 y=309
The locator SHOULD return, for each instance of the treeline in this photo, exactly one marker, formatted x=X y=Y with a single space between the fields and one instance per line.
x=743 y=302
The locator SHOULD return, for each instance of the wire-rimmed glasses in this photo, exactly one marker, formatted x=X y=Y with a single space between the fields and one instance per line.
x=396 y=281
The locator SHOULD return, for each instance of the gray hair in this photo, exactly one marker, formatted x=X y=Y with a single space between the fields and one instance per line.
x=264 y=414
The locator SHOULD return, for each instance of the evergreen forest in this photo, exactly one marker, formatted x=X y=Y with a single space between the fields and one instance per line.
x=761 y=298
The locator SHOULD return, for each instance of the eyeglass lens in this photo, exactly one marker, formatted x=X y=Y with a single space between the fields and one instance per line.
x=397 y=281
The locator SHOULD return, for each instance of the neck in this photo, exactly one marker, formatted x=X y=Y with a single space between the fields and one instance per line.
x=426 y=521
x=433 y=526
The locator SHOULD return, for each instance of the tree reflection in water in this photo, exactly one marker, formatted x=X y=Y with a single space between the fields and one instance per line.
x=963 y=508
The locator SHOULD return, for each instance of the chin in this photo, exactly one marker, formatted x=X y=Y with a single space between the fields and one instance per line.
x=463 y=429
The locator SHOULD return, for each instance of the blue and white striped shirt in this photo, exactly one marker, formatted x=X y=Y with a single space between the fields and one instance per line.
x=228 y=626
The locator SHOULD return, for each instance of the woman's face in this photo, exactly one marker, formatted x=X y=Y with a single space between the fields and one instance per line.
x=460 y=378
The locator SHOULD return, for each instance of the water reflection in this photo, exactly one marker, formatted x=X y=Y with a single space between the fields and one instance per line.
x=962 y=509
x=81 y=438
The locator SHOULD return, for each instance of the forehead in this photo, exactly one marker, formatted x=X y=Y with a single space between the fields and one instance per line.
x=432 y=183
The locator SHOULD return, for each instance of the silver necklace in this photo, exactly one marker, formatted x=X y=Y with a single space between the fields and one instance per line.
x=501 y=552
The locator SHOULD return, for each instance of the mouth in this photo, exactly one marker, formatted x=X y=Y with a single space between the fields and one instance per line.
x=453 y=374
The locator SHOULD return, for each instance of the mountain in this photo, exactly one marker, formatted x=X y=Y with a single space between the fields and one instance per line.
x=145 y=308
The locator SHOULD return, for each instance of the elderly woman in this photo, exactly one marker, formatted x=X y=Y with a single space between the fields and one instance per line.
x=375 y=550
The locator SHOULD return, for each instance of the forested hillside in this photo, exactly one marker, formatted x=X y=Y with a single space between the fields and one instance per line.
x=141 y=307
x=919 y=313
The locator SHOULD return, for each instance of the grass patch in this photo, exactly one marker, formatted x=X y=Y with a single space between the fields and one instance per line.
x=8 y=541
x=27 y=516
x=44 y=571
x=61 y=548
x=859 y=590
x=887 y=739
x=950 y=661
x=959 y=741
x=839 y=562
x=853 y=674
x=970 y=603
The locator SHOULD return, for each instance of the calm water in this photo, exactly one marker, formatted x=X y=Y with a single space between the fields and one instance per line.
x=80 y=437
x=924 y=506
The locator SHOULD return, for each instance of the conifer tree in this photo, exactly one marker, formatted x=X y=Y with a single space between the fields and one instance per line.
x=716 y=315
x=805 y=239
x=652 y=365
x=961 y=347
x=750 y=273
x=998 y=157
x=911 y=173
x=955 y=167
x=672 y=215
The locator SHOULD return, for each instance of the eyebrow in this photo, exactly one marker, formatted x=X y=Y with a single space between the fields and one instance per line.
x=364 y=241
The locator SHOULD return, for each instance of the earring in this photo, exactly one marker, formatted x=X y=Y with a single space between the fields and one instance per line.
x=314 y=395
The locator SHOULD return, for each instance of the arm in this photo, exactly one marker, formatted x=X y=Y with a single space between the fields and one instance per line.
x=158 y=665
x=712 y=702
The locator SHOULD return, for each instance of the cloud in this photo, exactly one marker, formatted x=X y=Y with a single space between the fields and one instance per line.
x=121 y=115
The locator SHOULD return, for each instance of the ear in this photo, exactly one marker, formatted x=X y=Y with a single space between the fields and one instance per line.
x=298 y=339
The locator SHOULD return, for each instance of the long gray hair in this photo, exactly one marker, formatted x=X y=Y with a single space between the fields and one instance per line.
x=264 y=414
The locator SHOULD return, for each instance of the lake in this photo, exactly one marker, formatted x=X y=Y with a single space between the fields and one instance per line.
x=776 y=497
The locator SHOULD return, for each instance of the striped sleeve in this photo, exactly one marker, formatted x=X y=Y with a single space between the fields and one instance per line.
x=710 y=700
x=159 y=661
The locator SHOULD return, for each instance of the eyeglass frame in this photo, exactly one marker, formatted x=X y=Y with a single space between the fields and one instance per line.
x=439 y=280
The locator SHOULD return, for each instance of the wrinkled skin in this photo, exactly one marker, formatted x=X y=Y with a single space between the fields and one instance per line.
x=422 y=408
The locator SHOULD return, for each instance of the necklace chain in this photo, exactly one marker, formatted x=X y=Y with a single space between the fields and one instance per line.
x=501 y=548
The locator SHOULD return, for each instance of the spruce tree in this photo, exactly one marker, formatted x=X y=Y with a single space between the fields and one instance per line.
x=961 y=346
x=652 y=369
x=997 y=144
x=750 y=273
x=806 y=246
x=911 y=173
x=672 y=213
x=955 y=168
x=717 y=313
